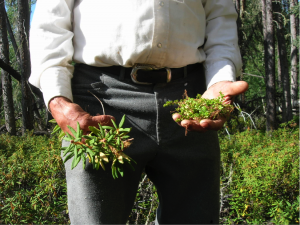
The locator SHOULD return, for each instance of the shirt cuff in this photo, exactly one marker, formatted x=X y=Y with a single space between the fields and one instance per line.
x=56 y=81
x=219 y=71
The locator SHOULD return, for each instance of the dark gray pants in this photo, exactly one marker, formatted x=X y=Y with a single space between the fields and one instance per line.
x=184 y=169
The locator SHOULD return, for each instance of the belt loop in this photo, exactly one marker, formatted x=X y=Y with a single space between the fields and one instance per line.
x=122 y=73
x=185 y=71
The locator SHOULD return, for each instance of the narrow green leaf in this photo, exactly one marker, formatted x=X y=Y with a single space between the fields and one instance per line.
x=95 y=130
x=113 y=172
x=122 y=121
x=115 y=125
x=75 y=151
x=87 y=137
x=108 y=128
x=125 y=137
x=77 y=160
x=68 y=157
x=127 y=130
x=80 y=150
x=110 y=138
x=102 y=131
x=92 y=160
x=68 y=149
x=120 y=170
x=78 y=130
x=107 y=135
x=92 y=141
x=70 y=136
x=80 y=133
x=132 y=160
x=52 y=121
x=83 y=161
x=97 y=165
x=73 y=162
x=116 y=174
x=72 y=130
x=90 y=152
x=56 y=128
x=61 y=135
x=77 y=139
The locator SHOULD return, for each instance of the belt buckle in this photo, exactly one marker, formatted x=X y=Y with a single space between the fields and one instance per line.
x=137 y=67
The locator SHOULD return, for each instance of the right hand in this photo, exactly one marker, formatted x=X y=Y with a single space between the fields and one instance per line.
x=67 y=113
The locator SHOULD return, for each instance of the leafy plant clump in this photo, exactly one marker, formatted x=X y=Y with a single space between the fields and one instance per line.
x=260 y=177
x=200 y=108
x=101 y=146
x=33 y=183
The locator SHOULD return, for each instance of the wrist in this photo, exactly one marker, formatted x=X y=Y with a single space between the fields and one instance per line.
x=58 y=102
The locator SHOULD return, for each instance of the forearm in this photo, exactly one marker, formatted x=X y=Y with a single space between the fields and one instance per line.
x=223 y=59
x=51 y=48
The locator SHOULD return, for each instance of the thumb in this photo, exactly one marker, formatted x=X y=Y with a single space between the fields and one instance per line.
x=236 y=88
x=104 y=120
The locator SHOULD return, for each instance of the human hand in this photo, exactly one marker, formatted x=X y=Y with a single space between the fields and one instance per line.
x=67 y=113
x=229 y=89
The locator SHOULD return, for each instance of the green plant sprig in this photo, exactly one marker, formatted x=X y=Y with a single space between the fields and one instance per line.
x=101 y=146
x=200 y=108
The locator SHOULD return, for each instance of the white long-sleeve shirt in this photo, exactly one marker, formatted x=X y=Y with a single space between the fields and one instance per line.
x=165 y=33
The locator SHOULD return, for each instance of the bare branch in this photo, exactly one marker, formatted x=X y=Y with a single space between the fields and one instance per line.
x=10 y=70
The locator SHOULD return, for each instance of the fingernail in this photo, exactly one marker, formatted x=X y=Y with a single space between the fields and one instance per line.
x=184 y=124
x=204 y=124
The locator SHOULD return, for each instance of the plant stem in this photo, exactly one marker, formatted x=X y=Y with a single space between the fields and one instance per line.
x=99 y=101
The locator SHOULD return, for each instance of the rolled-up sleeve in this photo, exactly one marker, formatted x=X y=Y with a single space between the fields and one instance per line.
x=223 y=60
x=51 y=48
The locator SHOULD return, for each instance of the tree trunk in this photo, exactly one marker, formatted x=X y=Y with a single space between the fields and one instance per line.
x=283 y=71
x=279 y=78
x=268 y=29
x=8 y=105
x=240 y=6
x=12 y=39
x=23 y=28
x=294 y=72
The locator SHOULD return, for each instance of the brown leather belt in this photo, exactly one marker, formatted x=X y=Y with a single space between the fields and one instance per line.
x=146 y=76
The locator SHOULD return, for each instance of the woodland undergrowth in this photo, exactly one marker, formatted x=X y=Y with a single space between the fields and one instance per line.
x=259 y=180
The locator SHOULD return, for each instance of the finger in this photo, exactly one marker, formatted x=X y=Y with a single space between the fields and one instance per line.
x=227 y=98
x=176 y=116
x=213 y=124
x=104 y=120
x=192 y=125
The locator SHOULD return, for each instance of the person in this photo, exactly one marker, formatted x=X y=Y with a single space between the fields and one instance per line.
x=136 y=55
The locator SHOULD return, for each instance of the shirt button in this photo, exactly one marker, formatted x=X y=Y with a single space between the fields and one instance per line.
x=159 y=45
x=161 y=3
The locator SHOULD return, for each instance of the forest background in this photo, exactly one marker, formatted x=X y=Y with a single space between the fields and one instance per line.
x=267 y=114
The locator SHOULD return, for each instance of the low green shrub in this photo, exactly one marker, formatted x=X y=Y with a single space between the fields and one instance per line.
x=259 y=180
x=33 y=187
x=32 y=183
x=260 y=177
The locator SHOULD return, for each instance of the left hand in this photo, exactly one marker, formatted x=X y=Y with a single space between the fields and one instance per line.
x=229 y=89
